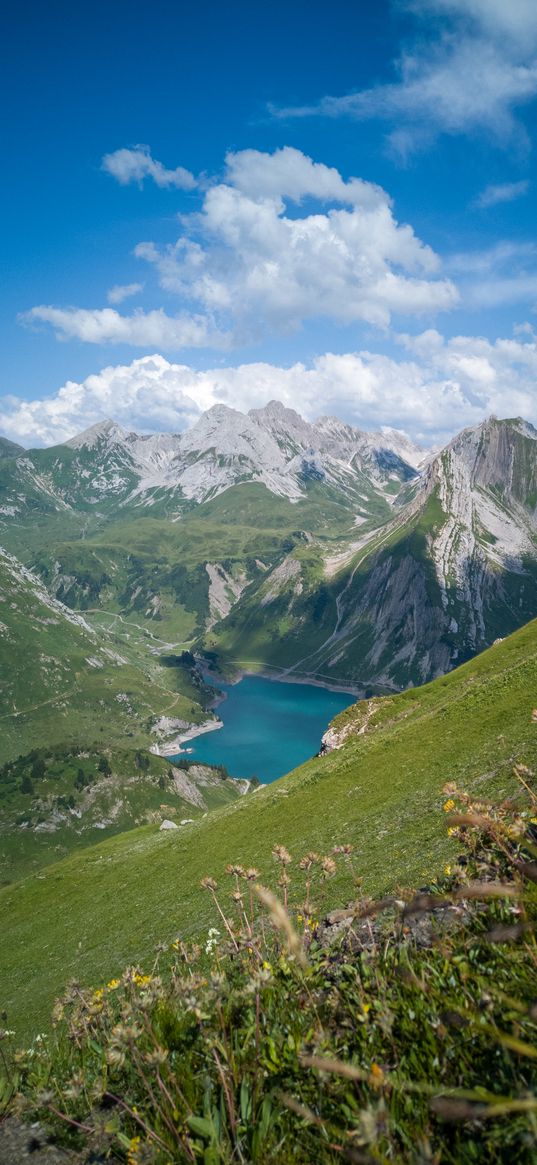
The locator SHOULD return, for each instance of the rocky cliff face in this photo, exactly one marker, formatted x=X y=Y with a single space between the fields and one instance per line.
x=434 y=557
x=452 y=571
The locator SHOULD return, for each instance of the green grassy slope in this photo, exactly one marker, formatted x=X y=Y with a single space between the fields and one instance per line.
x=54 y=801
x=155 y=569
x=90 y=914
x=63 y=682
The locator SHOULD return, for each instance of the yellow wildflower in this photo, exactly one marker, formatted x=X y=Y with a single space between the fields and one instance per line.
x=376 y=1077
x=113 y=984
x=142 y=980
x=132 y=1153
x=447 y=870
x=448 y=805
x=97 y=995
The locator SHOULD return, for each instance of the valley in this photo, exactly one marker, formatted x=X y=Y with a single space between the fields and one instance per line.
x=141 y=573
x=109 y=905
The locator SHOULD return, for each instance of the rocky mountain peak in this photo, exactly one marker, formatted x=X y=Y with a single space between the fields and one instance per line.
x=108 y=431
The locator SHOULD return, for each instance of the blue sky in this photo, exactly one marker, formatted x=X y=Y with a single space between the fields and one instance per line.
x=245 y=256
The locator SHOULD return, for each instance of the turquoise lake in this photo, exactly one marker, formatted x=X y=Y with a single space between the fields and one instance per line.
x=269 y=727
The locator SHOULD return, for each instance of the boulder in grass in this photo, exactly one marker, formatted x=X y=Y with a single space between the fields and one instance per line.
x=166 y=824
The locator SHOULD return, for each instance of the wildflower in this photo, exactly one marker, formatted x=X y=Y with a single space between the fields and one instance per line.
x=212 y=940
x=142 y=980
x=132 y=1152
x=308 y=860
x=281 y=854
x=157 y=1057
x=447 y=870
x=113 y=984
x=328 y=867
x=376 y=1078
x=343 y=849
x=448 y=805
x=125 y=1033
x=115 y=1057
x=451 y=831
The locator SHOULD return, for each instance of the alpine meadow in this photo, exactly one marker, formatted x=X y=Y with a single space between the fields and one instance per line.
x=268 y=585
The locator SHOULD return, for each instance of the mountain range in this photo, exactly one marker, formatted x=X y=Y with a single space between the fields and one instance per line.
x=317 y=549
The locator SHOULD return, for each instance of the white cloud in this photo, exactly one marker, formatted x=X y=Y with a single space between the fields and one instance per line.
x=433 y=390
x=135 y=164
x=472 y=65
x=246 y=258
x=244 y=264
x=122 y=291
x=515 y=20
x=141 y=329
x=504 y=192
x=290 y=174
x=498 y=276
x=145 y=395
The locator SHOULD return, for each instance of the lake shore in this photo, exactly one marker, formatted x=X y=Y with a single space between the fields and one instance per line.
x=173 y=747
x=280 y=677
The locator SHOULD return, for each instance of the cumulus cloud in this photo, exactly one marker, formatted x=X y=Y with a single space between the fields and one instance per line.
x=141 y=329
x=133 y=165
x=432 y=390
x=246 y=258
x=145 y=395
x=504 y=192
x=245 y=263
x=472 y=65
x=122 y=291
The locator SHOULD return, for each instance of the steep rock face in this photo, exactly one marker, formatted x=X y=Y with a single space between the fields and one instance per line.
x=484 y=548
x=452 y=571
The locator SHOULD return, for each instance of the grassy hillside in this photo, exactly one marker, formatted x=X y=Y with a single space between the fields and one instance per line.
x=54 y=801
x=380 y=792
x=61 y=681
x=154 y=569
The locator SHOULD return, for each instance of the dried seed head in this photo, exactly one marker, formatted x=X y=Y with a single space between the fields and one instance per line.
x=208 y=883
x=281 y=854
x=328 y=867
x=309 y=860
